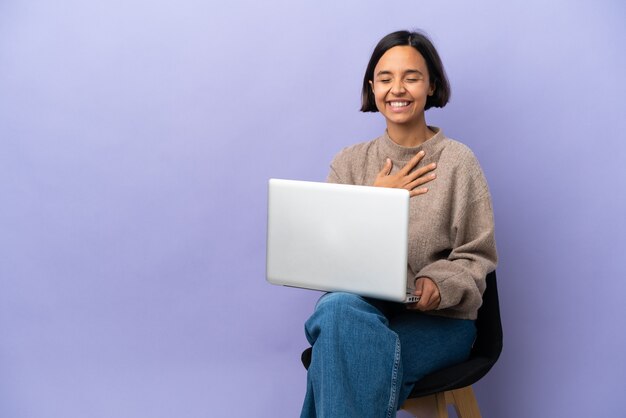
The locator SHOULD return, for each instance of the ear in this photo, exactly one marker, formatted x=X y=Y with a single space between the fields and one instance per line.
x=371 y=86
x=431 y=90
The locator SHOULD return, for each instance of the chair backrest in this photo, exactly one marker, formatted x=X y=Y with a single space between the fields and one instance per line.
x=488 y=325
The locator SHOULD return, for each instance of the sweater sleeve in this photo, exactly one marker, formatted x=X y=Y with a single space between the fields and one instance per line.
x=461 y=275
x=340 y=169
x=333 y=176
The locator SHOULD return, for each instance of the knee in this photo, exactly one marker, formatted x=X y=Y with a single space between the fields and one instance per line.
x=338 y=300
x=339 y=312
x=340 y=306
x=335 y=314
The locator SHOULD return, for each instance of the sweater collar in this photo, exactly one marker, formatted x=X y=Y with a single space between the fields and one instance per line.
x=399 y=153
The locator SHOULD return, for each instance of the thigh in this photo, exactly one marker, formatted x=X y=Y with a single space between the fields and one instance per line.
x=429 y=343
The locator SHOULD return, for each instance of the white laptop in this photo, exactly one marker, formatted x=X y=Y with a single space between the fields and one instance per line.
x=335 y=237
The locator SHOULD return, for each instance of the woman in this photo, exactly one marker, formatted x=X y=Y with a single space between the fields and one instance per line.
x=367 y=354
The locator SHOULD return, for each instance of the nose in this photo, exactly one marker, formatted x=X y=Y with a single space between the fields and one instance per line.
x=397 y=88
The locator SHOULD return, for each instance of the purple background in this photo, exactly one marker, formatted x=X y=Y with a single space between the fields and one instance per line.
x=136 y=140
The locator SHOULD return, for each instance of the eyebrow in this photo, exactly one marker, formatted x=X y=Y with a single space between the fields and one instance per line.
x=386 y=72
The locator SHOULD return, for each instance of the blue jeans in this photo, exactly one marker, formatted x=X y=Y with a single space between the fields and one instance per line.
x=368 y=354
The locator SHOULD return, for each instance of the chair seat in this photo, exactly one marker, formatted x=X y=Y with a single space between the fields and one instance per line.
x=306 y=357
x=454 y=377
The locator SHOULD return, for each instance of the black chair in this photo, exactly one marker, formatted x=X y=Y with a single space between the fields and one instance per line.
x=452 y=385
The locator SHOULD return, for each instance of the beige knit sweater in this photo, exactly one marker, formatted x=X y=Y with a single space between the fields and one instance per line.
x=451 y=228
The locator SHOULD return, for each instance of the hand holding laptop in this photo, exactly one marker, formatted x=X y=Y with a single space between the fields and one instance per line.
x=428 y=292
x=404 y=178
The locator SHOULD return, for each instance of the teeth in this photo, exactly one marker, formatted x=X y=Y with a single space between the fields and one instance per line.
x=399 y=104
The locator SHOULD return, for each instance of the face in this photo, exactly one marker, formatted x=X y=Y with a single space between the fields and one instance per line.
x=401 y=85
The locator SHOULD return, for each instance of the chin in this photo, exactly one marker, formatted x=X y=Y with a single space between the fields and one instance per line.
x=400 y=120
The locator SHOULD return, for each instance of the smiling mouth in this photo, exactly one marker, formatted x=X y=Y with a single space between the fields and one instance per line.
x=399 y=104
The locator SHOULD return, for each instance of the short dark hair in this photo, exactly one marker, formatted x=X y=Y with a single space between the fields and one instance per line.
x=425 y=47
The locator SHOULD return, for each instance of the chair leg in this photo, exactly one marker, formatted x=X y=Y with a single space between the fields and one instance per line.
x=433 y=406
x=465 y=403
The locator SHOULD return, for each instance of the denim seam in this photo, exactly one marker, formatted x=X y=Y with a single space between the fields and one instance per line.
x=392 y=407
